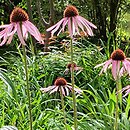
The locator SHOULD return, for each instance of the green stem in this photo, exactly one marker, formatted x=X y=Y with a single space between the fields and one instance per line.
x=28 y=88
x=63 y=107
x=117 y=98
x=73 y=92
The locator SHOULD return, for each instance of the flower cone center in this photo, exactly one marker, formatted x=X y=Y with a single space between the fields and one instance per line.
x=70 y=11
x=18 y=15
x=70 y=65
x=60 y=82
x=118 y=55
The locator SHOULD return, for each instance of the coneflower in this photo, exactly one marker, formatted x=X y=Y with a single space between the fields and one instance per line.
x=19 y=22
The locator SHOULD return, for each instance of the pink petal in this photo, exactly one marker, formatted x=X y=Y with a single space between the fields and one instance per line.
x=127 y=92
x=73 y=27
x=47 y=89
x=5 y=26
x=115 y=68
x=25 y=34
x=81 y=26
x=4 y=41
x=10 y=39
x=33 y=31
x=10 y=32
x=89 y=23
x=70 y=27
x=67 y=90
x=54 y=90
x=75 y=24
x=54 y=26
x=89 y=30
x=64 y=24
x=62 y=90
x=105 y=66
x=20 y=34
x=126 y=64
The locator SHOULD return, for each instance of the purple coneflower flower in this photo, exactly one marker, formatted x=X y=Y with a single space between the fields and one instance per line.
x=126 y=89
x=19 y=20
x=74 y=22
x=117 y=57
x=60 y=83
x=69 y=68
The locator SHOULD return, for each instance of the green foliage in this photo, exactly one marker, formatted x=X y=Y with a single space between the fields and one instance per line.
x=96 y=105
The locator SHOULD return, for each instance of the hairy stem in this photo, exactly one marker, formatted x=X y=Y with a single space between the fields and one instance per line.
x=63 y=107
x=73 y=92
x=27 y=83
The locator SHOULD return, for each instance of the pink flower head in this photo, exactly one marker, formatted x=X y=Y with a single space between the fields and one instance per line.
x=60 y=84
x=19 y=22
x=126 y=89
x=117 y=57
x=69 y=68
x=74 y=22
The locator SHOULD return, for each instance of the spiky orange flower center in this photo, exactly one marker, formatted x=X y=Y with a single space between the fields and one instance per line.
x=18 y=15
x=70 y=11
x=70 y=65
x=60 y=82
x=118 y=55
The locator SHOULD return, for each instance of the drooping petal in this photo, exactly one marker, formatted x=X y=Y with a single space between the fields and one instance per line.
x=122 y=71
x=73 y=27
x=10 y=32
x=89 y=30
x=67 y=90
x=62 y=90
x=5 y=26
x=127 y=92
x=115 y=68
x=89 y=23
x=20 y=34
x=33 y=31
x=70 y=27
x=10 y=39
x=105 y=66
x=47 y=89
x=54 y=26
x=4 y=41
x=81 y=26
x=54 y=90
x=25 y=33
x=75 y=24
x=64 y=23
x=126 y=64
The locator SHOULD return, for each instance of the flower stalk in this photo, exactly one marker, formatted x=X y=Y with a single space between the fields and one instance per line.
x=72 y=82
x=63 y=107
x=27 y=80
x=27 y=84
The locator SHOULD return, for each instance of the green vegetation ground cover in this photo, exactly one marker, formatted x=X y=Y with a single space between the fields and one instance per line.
x=95 y=105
